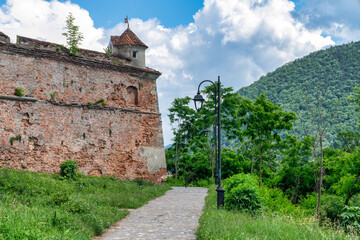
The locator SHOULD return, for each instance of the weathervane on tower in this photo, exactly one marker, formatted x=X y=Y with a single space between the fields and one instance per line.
x=127 y=21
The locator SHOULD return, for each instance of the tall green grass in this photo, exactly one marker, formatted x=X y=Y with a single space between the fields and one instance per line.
x=42 y=206
x=223 y=224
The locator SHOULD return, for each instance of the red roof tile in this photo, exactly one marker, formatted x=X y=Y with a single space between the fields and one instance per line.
x=127 y=38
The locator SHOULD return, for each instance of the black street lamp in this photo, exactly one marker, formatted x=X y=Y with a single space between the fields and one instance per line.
x=199 y=100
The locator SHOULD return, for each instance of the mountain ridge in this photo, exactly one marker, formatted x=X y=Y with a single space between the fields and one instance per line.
x=322 y=80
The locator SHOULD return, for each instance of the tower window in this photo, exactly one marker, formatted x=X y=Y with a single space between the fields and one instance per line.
x=135 y=54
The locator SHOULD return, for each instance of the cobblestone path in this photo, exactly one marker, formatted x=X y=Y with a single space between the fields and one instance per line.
x=172 y=216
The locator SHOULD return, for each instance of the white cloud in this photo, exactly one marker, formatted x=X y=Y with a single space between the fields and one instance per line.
x=340 y=19
x=46 y=21
x=240 y=40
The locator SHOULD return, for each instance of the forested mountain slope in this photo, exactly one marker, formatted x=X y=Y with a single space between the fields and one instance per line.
x=316 y=87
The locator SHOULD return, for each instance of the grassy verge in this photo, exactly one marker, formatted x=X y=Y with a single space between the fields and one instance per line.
x=223 y=224
x=42 y=206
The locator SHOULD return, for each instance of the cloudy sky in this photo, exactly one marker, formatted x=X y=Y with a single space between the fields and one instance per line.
x=193 y=40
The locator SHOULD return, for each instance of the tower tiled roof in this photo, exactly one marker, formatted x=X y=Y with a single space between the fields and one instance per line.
x=127 y=38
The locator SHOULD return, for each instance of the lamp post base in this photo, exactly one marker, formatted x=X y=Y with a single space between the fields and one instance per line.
x=220 y=196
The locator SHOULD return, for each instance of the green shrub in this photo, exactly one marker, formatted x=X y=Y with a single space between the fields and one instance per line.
x=274 y=200
x=68 y=169
x=351 y=219
x=242 y=193
x=331 y=207
x=19 y=92
x=309 y=202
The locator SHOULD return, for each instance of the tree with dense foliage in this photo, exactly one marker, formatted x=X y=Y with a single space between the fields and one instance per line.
x=295 y=177
x=181 y=118
x=191 y=146
x=263 y=122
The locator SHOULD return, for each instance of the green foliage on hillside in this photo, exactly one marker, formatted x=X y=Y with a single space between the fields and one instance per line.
x=321 y=81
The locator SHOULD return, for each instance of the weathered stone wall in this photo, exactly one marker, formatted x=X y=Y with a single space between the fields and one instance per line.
x=123 y=138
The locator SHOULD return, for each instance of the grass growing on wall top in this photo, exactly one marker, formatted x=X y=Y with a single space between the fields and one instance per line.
x=42 y=206
x=224 y=224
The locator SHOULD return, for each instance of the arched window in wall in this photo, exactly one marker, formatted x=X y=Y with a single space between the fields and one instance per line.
x=133 y=98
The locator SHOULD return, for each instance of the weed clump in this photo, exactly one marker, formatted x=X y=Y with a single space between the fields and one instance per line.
x=13 y=139
x=53 y=96
x=102 y=101
x=69 y=169
x=19 y=92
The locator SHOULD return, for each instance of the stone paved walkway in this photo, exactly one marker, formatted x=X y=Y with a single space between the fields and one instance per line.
x=172 y=216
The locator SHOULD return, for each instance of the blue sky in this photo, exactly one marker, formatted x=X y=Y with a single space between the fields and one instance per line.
x=192 y=40
x=171 y=13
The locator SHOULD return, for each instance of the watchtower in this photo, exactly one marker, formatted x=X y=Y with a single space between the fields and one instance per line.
x=129 y=46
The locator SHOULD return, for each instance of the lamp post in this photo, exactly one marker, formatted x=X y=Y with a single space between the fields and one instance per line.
x=199 y=100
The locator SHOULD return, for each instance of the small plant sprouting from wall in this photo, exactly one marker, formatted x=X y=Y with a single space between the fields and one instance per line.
x=13 y=139
x=102 y=101
x=59 y=48
x=84 y=135
x=19 y=92
x=90 y=104
x=140 y=85
x=53 y=96
x=110 y=132
x=80 y=89
x=73 y=36
x=108 y=51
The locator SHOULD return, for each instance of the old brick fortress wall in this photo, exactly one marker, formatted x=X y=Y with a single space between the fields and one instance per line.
x=123 y=139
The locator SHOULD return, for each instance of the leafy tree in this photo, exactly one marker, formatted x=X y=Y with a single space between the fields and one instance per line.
x=347 y=140
x=232 y=163
x=296 y=177
x=263 y=123
x=189 y=140
x=349 y=173
x=73 y=36
x=181 y=118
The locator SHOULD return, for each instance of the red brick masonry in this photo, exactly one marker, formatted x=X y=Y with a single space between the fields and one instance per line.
x=123 y=138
